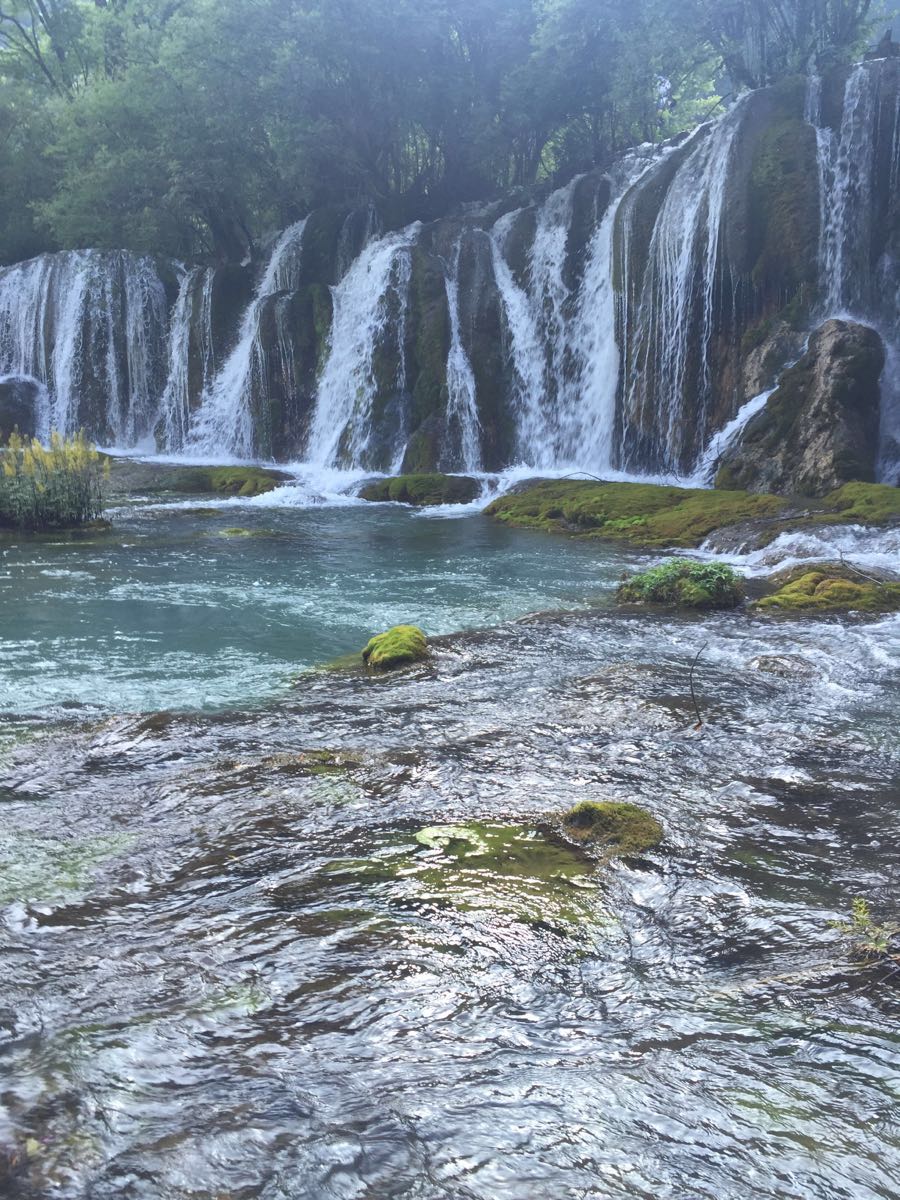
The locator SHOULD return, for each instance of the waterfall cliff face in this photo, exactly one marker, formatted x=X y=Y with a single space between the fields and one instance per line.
x=92 y=326
x=627 y=321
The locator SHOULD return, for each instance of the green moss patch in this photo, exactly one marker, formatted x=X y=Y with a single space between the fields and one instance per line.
x=865 y=503
x=425 y=489
x=397 y=646
x=686 y=584
x=516 y=871
x=831 y=589
x=616 y=827
x=643 y=514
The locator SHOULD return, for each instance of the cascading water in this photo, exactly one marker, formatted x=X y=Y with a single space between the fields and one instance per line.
x=463 y=443
x=666 y=352
x=91 y=326
x=222 y=424
x=342 y=428
x=846 y=173
x=191 y=318
x=859 y=268
x=534 y=429
x=608 y=336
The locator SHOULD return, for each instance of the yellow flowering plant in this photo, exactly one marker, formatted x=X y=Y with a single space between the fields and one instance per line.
x=51 y=487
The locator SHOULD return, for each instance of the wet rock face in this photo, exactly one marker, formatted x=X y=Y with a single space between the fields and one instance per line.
x=819 y=429
x=18 y=407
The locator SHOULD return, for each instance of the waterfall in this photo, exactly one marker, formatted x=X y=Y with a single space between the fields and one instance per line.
x=667 y=350
x=191 y=319
x=534 y=431
x=372 y=290
x=845 y=172
x=859 y=271
x=90 y=325
x=223 y=424
x=463 y=442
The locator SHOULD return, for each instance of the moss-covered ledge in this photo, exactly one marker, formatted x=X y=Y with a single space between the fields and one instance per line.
x=830 y=588
x=424 y=489
x=656 y=516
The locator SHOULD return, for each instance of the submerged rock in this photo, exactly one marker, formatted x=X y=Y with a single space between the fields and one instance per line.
x=425 y=489
x=786 y=666
x=819 y=429
x=487 y=868
x=396 y=647
x=618 y=828
x=684 y=583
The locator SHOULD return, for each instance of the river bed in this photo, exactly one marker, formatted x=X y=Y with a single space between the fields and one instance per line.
x=256 y=937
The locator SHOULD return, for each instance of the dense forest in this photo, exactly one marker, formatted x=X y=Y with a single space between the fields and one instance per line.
x=191 y=127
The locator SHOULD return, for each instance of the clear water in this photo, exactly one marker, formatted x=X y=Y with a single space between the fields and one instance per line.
x=170 y=612
x=232 y=976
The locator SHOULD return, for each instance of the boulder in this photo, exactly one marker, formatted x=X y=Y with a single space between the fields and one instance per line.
x=819 y=429
x=19 y=400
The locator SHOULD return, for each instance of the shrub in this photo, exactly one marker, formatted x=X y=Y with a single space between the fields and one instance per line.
x=681 y=581
x=50 y=488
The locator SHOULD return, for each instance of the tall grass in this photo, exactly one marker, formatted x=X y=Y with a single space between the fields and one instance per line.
x=55 y=487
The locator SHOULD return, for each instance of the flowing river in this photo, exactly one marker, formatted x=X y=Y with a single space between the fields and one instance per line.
x=282 y=933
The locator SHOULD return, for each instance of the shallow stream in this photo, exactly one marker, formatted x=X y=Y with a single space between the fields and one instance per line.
x=237 y=967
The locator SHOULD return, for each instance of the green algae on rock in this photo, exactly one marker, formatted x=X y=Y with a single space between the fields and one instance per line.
x=618 y=828
x=831 y=588
x=644 y=514
x=394 y=648
x=685 y=583
x=424 y=489
x=517 y=871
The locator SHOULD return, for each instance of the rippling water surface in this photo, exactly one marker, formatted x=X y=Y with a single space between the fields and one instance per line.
x=238 y=967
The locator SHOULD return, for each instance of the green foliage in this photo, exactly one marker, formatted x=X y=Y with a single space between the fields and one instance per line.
x=868 y=939
x=685 y=583
x=398 y=646
x=618 y=828
x=193 y=127
x=426 y=489
x=50 y=488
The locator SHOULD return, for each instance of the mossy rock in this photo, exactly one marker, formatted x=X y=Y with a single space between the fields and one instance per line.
x=644 y=514
x=230 y=481
x=395 y=648
x=830 y=588
x=685 y=584
x=618 y=828
x=130 y=477
x=424 y=489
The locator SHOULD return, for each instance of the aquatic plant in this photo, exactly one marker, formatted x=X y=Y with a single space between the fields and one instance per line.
x=618 y=827
x=399 y=645
x=868 y=939
x=683 y=582
x=55 y=487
